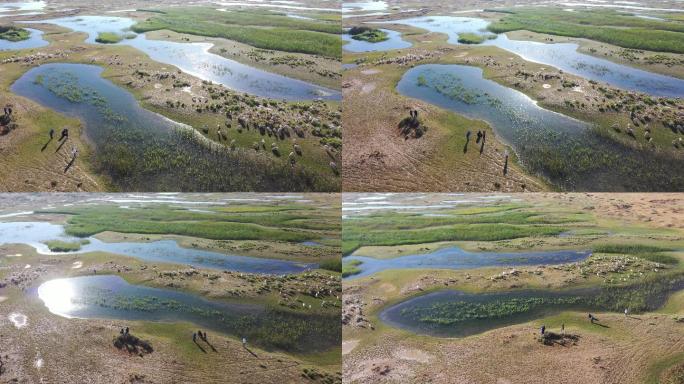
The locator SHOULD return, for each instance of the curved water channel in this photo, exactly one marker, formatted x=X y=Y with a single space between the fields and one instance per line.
x=35 y=40
x=456 y=258
x=35 y=234
x=195 y=59
x=111 y=297
x=559 y=148
x=560 y=55
x=138 y=149
x=452 y=313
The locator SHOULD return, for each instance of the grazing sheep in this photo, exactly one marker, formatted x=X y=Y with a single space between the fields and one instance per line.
x=333 y=165
x=298 y=149
x=292 y=158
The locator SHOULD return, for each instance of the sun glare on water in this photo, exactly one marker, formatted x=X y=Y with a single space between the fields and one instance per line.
x=58 y=296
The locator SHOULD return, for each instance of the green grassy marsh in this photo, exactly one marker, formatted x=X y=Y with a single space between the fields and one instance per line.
x=258 y=28
x=14 y=34
x=370 y=35
x=608 y=26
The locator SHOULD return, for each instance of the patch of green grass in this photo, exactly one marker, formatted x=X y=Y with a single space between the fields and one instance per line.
x=350 y=267
x=260 y=29
x=108 y=38
x=14 y=33
x=65 y=246
x=647 y=252
x=497 y=222
x=474 y=38
x=370 y=35
x=275 y=225
x=607 y=26
x=334 y=265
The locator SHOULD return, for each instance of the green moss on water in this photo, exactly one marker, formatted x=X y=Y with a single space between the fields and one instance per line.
x=65 y=246
x=109 y=38
x=645 y=295
x=370 y=35
x=14 y=34
x=474 y=38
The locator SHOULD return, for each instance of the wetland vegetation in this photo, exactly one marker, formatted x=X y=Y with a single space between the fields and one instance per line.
x=370 y=35
x=260 y=29
x=11 y=33
x=608 y=26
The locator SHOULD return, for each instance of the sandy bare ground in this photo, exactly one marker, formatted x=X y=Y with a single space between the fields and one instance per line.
x=82 y=351
x=513 y=355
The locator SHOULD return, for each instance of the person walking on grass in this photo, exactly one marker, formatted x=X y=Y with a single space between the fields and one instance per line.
x=543 y=330
x=626 y=312
x=592 y=318
x=244 y=343
x=52 y=133
x=563 y=329
x=194 y=337
x=65 y=134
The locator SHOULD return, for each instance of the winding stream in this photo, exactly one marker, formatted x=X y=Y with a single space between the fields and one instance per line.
x=560 y=55
x=195 y=59
x=456 y=258
x=35 y=234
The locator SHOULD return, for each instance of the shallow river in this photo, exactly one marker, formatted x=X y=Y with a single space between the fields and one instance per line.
x=35 y=234
x=195 y=59
x=560 y=55
x=456 y=258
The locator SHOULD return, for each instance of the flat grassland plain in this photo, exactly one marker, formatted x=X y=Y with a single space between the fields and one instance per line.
x=76 y=269
x=208 y=108
x=567 y=91
x=455 y=289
